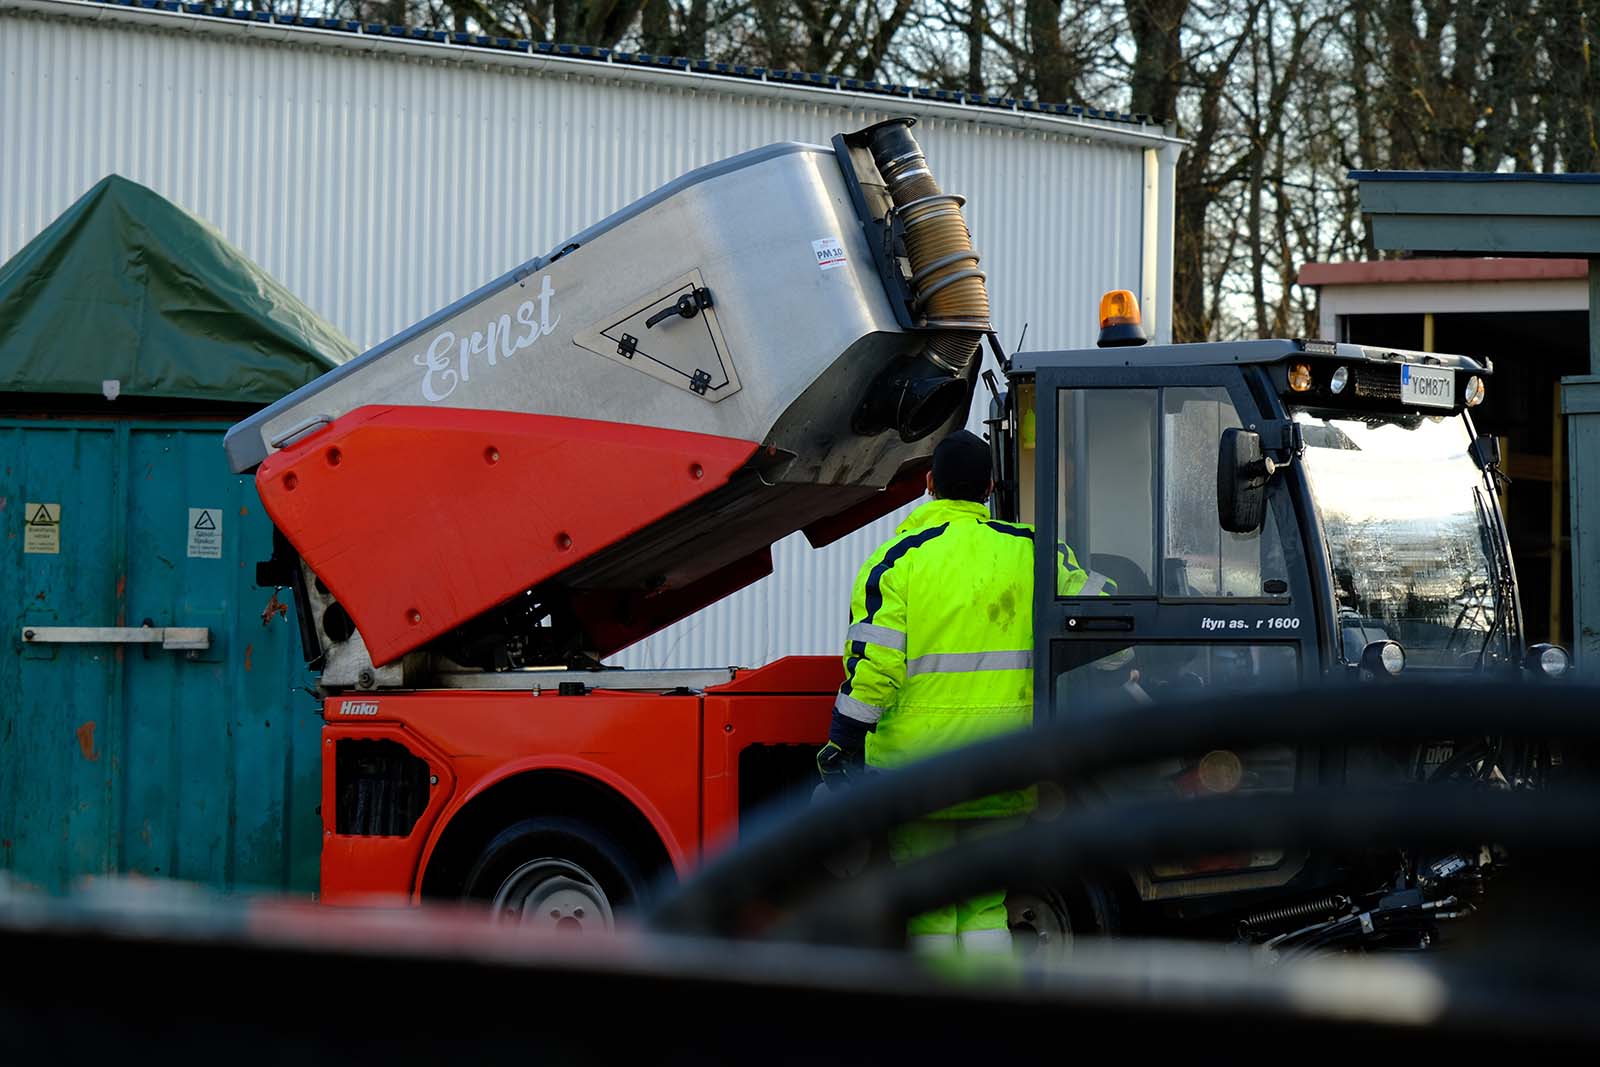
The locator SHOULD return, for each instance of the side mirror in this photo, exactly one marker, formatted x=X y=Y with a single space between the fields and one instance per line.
x=1485 y=451
x=1242 y=473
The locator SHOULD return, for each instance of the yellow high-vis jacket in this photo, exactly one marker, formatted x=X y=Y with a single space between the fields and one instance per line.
x=939 y=652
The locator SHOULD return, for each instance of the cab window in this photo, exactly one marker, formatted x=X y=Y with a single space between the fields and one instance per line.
x=1136 y=495
x=1125 y=675
x=1129 y=671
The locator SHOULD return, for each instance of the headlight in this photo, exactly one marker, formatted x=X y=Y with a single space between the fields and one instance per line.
x=1550 y=661
x=1220 y=771
x=1340 y=377
x=1381 y=660
x=1474 y=392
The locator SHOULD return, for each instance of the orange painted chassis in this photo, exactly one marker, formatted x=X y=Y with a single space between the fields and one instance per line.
x=675 y=759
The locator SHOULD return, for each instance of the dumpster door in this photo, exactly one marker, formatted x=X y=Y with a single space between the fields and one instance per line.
x=156 y=724
x=58 y=702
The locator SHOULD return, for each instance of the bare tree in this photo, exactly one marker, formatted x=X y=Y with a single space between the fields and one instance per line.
x=1278 y=99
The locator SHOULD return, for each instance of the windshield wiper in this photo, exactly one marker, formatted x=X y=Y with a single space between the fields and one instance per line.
x=1468 y=590
x=1499 y=564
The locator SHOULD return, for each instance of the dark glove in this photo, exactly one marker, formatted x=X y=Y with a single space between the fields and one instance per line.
x=838 y=766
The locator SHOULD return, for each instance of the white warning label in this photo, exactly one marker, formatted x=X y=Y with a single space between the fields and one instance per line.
x=205 y=533
x=41 y=528
x=829 y=252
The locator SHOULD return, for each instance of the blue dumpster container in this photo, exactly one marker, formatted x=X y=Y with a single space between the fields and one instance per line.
x=155 y=717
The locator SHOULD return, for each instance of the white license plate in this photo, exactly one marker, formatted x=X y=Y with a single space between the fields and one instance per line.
x=1429 y=387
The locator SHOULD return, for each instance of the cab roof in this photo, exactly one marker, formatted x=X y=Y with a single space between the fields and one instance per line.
x=1220 y=353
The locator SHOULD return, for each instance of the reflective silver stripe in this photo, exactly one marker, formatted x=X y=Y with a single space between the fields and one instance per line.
x=886 y=636
x=952 y=662
x=850 y=707
x=1094 y=584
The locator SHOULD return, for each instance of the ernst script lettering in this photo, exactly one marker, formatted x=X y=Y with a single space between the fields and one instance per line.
x=448 y=360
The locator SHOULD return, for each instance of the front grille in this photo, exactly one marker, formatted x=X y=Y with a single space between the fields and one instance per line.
x=382 y=789
x=1377 y=383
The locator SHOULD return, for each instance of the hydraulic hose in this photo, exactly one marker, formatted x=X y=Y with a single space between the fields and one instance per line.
x=772 y=859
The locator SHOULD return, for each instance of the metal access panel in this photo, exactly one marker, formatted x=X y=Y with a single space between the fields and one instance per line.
x=149 y=715
x=673 y=336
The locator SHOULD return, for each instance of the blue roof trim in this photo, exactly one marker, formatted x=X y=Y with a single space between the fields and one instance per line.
x=805 y=79
x=1469 y=176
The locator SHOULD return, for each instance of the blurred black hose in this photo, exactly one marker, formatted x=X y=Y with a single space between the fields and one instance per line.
x=738 y=888
x=872 y=909
x=1469 y=754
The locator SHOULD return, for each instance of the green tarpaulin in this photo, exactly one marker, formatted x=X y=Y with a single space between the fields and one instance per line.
x=128 y=287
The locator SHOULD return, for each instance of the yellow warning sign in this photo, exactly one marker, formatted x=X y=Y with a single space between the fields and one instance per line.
x=41 y=529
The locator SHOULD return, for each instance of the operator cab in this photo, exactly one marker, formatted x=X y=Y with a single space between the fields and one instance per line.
x=1273 y=513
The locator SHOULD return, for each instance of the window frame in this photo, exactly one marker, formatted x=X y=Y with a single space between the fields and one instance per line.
x=1155 y=617
x=1280 y=494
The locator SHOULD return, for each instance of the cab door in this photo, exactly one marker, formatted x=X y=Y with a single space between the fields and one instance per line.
x=1125 y=481
x=1125 y=484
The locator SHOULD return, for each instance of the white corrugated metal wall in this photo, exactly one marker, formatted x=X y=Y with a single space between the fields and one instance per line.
x=380 y=181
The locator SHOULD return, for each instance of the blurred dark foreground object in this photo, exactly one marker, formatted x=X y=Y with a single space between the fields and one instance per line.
x=136 y=973
x=737 y=966
x=1370 y=812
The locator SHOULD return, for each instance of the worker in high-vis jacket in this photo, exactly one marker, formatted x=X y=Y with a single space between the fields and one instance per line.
x=939 y=654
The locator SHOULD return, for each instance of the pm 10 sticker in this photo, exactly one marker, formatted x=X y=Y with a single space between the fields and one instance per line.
x=829 y=252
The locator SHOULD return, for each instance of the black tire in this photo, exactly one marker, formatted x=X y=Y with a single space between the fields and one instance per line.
x=1047 y=919
x=581 y=872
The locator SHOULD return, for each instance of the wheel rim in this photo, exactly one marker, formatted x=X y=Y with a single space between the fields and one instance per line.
x=1040 y=925
x=554 y=894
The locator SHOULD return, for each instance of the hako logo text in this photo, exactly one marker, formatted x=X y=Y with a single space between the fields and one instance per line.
x=358 y=707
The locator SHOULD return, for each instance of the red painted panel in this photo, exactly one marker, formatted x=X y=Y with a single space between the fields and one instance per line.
x=791 y=674
x=674 y=758
x=736 y=721
x=370 y=869
x=418 y=518
x=645 y=747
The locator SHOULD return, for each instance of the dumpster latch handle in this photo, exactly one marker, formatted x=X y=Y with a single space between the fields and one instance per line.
x=174 y=638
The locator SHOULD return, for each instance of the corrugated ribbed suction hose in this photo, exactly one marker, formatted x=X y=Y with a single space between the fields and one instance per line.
x=946 y=283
